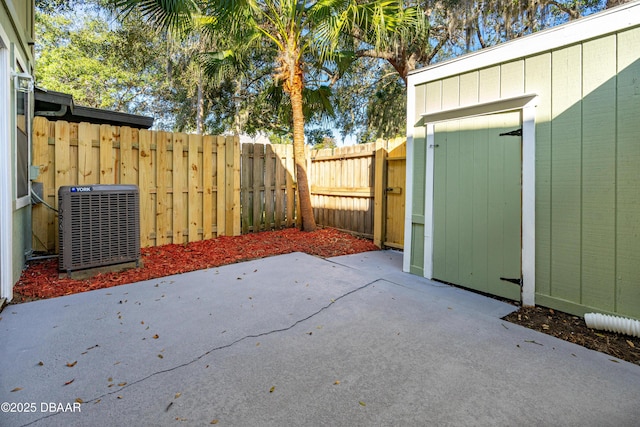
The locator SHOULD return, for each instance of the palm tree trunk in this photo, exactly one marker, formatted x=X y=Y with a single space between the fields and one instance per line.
x=200 y=106
x=305 y=209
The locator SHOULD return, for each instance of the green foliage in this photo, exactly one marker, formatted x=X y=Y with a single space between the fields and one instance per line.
x=102 y=66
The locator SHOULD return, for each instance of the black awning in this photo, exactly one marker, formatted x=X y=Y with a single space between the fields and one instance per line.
x=60 y=106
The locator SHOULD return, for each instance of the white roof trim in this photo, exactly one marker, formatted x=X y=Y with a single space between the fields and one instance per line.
x=491 y=107
x=592 y=26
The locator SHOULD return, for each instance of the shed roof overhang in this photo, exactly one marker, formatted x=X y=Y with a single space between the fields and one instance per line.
x=491 y=107
x=61 y=106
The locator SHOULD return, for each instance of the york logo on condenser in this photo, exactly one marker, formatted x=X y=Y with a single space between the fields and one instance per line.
x=80 y=189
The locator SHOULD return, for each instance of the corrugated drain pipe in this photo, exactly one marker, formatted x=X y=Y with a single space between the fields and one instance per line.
x=613 y=324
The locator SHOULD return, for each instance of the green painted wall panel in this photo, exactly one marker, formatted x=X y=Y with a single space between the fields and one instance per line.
x=449 y=153
x=489 y=89
x=416 y=264
x=419 y=171
x=512 y=79
x=469 y=88
x=538 y=81
x=434 y=97
x=477 y=205
x=598 y=173
x=480 y=199
x=628 y=175
x=439 y=207
x=450 y=92
x=566 y=188
x=466 y=174
x=21 y=240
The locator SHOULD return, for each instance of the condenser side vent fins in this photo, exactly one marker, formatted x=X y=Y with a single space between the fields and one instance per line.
x=99 y=225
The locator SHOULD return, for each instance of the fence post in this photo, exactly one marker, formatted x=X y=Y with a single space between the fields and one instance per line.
x=379 y=194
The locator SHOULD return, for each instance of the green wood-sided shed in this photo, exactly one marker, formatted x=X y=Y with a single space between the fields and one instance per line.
x=523 y=171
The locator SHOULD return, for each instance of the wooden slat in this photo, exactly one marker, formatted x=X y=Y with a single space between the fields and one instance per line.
x=147 y=187
x=208 y=206
x=194 y=187
x=86 y=133
x=163 y=220
x=291 y=192
x=221 y=186
x=269 y=184
x=107 y=173
x=278 y=190
x=245 y=198
x=127 y=166
x=178 y=177
x=351 y=192
x=42 y=217
x=62 y=176
x=258 y=184
x=234 y=195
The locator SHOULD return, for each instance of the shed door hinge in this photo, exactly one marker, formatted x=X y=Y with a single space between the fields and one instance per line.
x=517 y=132
x=516 y=281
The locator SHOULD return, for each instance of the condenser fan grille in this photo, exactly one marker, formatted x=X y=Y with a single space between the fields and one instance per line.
x=99 y=226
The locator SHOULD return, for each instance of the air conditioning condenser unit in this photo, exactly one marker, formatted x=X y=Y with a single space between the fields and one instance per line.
x=99 y=225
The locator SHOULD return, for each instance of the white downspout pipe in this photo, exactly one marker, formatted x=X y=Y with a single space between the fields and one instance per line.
x=613 y=324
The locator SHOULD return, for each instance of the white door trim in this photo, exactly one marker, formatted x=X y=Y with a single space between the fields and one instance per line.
x=526 y=104
x=6 y=165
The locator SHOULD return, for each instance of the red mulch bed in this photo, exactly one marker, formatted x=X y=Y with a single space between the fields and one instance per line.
x=40 y=279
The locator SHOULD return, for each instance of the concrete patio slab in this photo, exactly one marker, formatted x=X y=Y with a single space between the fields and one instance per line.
x=298 y=340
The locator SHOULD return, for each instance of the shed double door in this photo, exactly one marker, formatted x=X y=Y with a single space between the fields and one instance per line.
x=477 y=211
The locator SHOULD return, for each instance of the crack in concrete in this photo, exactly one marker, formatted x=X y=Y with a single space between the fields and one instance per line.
x=222 y=347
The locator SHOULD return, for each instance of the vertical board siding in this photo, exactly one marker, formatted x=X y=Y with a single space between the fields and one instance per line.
x=489 y=84
x=512 y=79
x=598 y=173
x=469 y=88
x=587 y=174
x=566 y=185
x=627 y=235
x=176 y=174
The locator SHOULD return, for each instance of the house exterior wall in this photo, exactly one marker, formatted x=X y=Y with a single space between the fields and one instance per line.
x=586 y=76
x=16 y=55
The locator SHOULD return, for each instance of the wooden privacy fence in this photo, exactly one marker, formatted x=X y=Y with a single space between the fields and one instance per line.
x=267 y=190
x=189 y=184
x=348 y=188
x=195 y=187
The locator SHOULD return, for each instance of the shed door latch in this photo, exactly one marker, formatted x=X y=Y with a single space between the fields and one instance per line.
x=517 y=132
